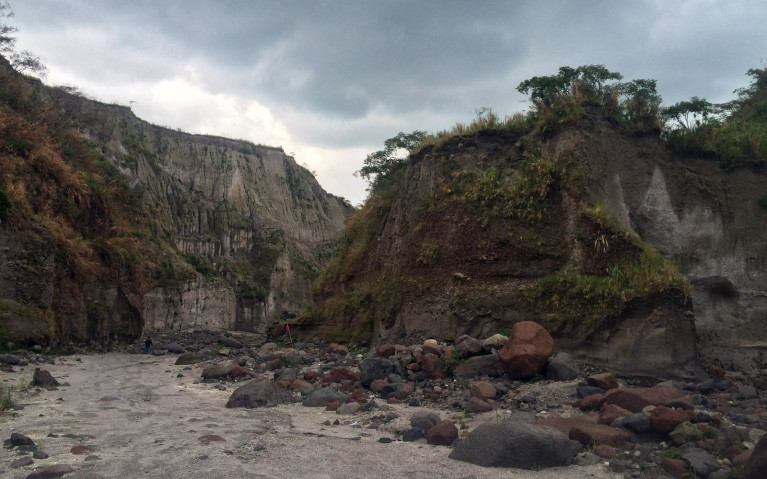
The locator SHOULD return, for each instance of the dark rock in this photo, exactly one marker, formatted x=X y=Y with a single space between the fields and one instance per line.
x=637 y=422
x=516 y=444
x=413 y=434
x=10 y=359
x=258 y=393
x=338 y=374
x=486 y=365
x=191 y=357
x=43 y=378
x=51 y=472
x=701 y=461
x=636 y=399
x=562 y=367
x=374 y=368
x=585 y=391
x=323 y=396
x=477 y=405
x=588 y=434
x=468 y=346
x=442 y=434
x=527 y=351
x=228 y=342
x=746 y=392
x=665 y=419
x=483 y=390
x=605 y=381
x=385 y=350
x=217 y=371
x=424 y=420
x=431 y=366
x=173 y=348
x=17 y=440
x=757 y=463
x=21 y=462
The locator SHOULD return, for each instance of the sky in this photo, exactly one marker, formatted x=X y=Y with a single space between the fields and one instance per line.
x=330 y=81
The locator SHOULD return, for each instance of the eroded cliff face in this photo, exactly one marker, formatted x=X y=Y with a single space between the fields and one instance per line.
x=110 y=226
x=261 y=220
x=497 y=227
x=706 y=219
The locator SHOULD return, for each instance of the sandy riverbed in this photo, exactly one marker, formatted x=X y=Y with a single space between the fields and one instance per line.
x=145 y=417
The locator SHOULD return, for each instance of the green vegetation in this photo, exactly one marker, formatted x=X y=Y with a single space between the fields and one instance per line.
x=451 y=361
x=585 y=301
x=733 y=134
x=378 y=166
x=200 y=264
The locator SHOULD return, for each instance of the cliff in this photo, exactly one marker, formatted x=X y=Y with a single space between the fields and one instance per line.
x=171 y=230
x=631 y=256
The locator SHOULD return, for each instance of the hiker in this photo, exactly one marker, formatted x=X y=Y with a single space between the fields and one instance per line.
x=148 y=344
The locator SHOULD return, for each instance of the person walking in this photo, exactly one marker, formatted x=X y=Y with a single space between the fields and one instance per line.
x=148 y=344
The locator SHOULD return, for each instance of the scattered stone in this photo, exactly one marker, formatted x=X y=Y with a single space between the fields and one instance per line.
x=485 y=365
x=562 y=367
x=605 y=381
x=442 y=434
x=258 y=393
x=757 y=463
x=51 y=472
x=81 y=449
x=323 y=396
x=211 y=438
x=516 y=444
x=374 y=368
x=527 y=351
x=21 y=462
x=43 y=378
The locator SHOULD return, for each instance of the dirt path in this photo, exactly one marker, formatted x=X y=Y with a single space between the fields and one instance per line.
x=145 y=417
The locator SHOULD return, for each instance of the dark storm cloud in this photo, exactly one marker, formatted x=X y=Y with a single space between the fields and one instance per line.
x=344 y=74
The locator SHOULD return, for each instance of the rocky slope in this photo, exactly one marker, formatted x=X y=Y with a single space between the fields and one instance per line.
x=140 y=227
x=501 y=226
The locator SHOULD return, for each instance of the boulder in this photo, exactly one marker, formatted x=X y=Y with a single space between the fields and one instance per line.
x=477 y=405
x=431 y=366
x=605 y=381
x=192 y=357
x=43 y=378
x=527 y=351
x=757 y=463
x=588 y=434
x=424 y=420
x=217 y=371
x=338 y=374
x=442 y=434
x=636 y=399
x=468 y=346
x=495 y=341
x=174 y=348
x=385 y=350
x=486 y=365
x=665 y=419
x=324 y=396
x=374 y=368
x=483 y=390
x=258 y=393
x=517 y=444
x=562 y=367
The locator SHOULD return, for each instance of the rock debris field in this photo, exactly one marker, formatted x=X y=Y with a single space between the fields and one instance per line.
x=314 y=413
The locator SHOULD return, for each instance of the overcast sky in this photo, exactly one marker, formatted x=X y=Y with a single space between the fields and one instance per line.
x=329 y=81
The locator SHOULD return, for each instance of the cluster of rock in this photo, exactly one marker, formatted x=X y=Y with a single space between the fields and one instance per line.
x=542 y=410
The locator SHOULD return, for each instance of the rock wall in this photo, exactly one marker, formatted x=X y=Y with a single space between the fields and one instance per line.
x=261 y=220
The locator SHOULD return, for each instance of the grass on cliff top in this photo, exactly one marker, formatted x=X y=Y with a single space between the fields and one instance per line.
x=583 y=301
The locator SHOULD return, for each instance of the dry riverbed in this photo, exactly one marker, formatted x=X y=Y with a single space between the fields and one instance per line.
x=143 y=416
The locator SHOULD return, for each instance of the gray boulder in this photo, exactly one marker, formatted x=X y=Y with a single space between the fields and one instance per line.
x=424 y=420
x=468 y=346
x=216 y=371
x=485 y=365
x=324 y=396
x=173 y=348
x=259 y=393
x=562 y=367
x=701 y=461
x=374 y=368
x=516 y=443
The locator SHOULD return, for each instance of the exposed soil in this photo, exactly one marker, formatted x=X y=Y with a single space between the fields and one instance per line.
x=143 y=416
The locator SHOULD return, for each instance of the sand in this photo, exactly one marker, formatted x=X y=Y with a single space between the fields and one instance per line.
x=143 y=416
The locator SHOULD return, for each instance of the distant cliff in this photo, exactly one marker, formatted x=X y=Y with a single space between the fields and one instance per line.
x=214 y=232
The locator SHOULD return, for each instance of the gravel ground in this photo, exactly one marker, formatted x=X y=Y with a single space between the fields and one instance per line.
x=143 y=416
